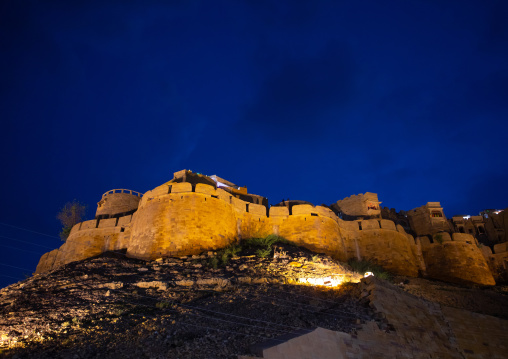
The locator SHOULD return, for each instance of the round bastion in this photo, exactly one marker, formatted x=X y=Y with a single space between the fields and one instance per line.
x=117 y=202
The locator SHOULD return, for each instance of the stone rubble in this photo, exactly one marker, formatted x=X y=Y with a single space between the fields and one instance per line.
x=115 y=307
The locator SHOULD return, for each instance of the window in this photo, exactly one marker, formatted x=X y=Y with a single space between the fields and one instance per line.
x=436 y=214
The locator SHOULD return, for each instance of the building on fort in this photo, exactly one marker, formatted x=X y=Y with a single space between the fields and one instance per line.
x=193 y=213
x=428 y=219
x=358 y=207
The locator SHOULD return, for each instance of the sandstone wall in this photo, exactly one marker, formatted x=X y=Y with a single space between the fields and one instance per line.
x=381 y=242
x=497 y=261
x=46 y=262
x=361 y=205
x=177 y=219
x=117 y=201
x=180 y=219
x=457 y=259
x=88 y=239
x=311 y=227
x=181 y=222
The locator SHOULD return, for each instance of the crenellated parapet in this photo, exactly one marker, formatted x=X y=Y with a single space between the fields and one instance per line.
x=455 y=258
x=118 y=203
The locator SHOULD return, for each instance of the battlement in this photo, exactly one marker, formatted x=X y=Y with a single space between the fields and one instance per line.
x=117 y=203
x=129 y=191
x=364 y=205
x=193 y=213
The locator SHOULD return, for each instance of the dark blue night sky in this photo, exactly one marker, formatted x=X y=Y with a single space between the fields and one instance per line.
x=293 y=99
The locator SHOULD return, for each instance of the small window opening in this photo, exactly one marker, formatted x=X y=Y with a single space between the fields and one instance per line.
x=314 y=214
x=360 y=226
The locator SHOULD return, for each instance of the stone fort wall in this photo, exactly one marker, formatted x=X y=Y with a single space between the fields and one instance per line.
x=497 y=260
x=177 y=219
x=456 y=258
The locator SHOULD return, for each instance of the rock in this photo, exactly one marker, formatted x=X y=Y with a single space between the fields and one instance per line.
x=153 y=284
x=245 y=280
x=185 y=282
x=142 y=269
x=108 y=293
x=221 y=282
x=111 y=285
x=243 y=266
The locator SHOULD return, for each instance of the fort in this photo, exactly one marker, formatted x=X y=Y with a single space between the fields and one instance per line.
x=193 y=213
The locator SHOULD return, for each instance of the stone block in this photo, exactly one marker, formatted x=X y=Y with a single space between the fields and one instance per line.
x=279 y=211
x=462 y=237
x=370 y=224
x=182 y=187
x=387 y=224
x=206 y=189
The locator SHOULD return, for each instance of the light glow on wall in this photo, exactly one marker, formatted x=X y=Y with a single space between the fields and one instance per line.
x=328 y=281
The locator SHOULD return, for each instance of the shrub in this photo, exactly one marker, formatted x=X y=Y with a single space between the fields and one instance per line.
x=438 y=238
x=267 y=241
x=228 y=252
x=213 y=262
x=264 y=252
x=71 y=214
x=162 y=305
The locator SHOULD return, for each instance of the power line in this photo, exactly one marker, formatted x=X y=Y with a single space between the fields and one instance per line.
x=205 y=309
x=303 y=304
x=331 y=312
x=7 y=265
x=208 y=317
x=28 y=230
x=27 y=242
x=20 y=249
x=5 y=275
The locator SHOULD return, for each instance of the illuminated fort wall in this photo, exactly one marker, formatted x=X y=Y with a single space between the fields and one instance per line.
x=177 y=219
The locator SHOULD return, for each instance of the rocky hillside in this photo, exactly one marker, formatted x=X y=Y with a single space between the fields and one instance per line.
x=216 y=305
